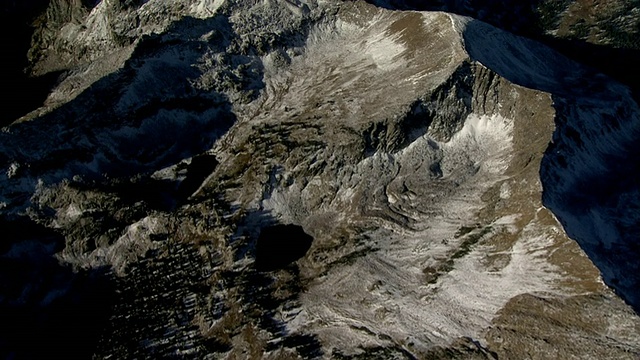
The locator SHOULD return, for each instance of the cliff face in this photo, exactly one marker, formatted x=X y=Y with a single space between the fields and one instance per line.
x=413 y=148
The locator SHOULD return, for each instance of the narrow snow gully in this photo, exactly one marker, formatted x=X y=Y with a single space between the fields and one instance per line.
x=590 y=174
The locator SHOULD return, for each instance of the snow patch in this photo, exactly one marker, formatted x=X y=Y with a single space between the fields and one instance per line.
x=12 y=170
x=385 y=51
x=484 y=140
x=505 y=191
x=205 y=8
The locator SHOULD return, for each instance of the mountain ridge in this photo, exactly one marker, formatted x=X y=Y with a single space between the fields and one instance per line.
x=426 y=206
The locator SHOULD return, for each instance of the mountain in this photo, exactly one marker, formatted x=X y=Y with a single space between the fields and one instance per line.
x=599 y=33
x=315 y=179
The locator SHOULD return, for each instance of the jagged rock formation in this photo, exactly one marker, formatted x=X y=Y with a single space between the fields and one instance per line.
x=412 y=147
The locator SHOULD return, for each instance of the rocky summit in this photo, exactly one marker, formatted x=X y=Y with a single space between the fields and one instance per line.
x=315 y=179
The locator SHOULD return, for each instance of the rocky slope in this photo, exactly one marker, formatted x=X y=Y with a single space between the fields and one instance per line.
x=413 y=147
x=599 y=33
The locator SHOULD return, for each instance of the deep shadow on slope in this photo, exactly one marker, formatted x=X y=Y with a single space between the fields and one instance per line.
x=589 y=173
x=19 y=92
x=138 y=120
x=46 y=310
x=522 y=17
x=591 y=178
x=280 y=245
x=21 y=26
